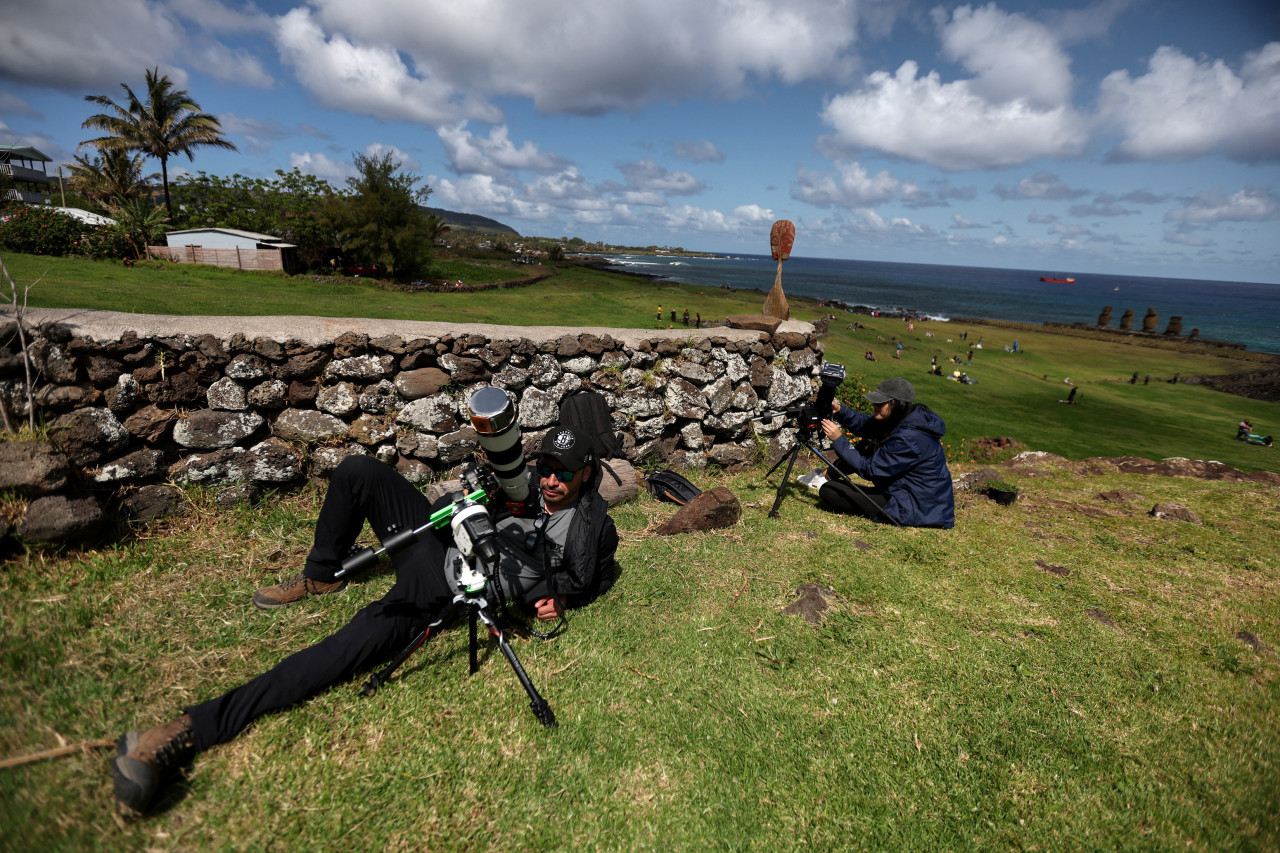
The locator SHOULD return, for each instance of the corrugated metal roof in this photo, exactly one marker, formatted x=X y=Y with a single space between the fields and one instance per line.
x=24 y=152
x=248 y=235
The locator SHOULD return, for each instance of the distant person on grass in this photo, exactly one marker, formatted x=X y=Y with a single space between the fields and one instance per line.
x=905 y=463
x=563 y=557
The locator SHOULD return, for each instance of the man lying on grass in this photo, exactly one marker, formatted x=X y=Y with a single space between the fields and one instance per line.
x=562 y=556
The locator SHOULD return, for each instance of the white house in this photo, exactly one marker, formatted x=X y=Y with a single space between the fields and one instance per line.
x=230 y=247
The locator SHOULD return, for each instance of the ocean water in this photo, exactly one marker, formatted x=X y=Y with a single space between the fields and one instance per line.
x=1242 y=312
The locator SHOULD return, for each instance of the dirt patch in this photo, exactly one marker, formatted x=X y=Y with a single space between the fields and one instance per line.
x=812 y=603
x=1120 y=496
x=1251 y=640
x=1102 y=617
x=1060 y=571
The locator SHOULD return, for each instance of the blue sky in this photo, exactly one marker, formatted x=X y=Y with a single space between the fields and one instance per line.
x=1123 y=136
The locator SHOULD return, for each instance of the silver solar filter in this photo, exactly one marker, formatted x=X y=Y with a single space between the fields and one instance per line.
x=493 y=416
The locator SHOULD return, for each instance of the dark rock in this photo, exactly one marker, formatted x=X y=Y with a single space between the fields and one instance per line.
x=248 y=368
x=755 y=322
x=415 y=384
x=150 y=424
x=708 y=511
x=207 y=429
x=307 y=365
x=32 y=469
x=324 y=460
x=307 y=425
x=350 y=344
x=268 y=349
x=103 y=371
x=181 y=389
x=1177 y=512
x=151 y=502
x=89 y=435
x=393 y=344
x=302 y=395
x=67 y=397
x=272 y=394
x=464 y=371
x=57 y=520
x=140 y=465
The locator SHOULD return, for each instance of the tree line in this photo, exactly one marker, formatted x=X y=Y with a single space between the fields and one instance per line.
x=375 y=219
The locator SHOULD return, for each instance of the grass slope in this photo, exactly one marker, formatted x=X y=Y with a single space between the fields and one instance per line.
x=957 y=696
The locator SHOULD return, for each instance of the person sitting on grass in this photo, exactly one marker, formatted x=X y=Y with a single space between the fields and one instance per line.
x=562 y=557
x=907 y=467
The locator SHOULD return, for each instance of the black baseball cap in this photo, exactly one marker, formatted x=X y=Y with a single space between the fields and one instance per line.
x=567 y=446
x=891 y=389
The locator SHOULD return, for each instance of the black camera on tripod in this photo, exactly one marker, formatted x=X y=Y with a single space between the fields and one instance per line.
x=817 y=410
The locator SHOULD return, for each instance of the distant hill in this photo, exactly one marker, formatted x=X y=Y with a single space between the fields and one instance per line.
x=472 y=222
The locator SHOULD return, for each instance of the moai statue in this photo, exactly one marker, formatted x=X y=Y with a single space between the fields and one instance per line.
x=1126 y=320
x=1104 y=319
x=1175 y=326
x=1195 y=334
x=1150 y=321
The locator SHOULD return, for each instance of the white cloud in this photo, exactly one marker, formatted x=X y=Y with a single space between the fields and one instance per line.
x=851 y=187
x=470 y=154
x=379 y=149
x=1184 y=108
x=1038 y=219
x=321 y=166
x=703 y=151
x=1252 y=204
x=647 y=176
x=367 y=80
x=594 y=57
x=753 y=213
x=1016 y=108
x=1014 y=58
x=13 y=105
x=948 y=124
x=73 y=44
x=1042 y=185
x=961 y=223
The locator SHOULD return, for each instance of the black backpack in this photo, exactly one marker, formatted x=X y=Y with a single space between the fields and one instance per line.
x=588 y=412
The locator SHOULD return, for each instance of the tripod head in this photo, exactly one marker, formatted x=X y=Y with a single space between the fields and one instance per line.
x=810 y=415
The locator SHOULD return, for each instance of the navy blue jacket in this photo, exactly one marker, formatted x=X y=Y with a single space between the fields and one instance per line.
x=909 y=465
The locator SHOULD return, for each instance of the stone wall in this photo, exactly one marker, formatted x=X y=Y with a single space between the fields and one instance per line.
x=244 y=404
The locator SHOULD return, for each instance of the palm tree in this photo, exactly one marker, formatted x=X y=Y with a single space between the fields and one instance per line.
x=169 y=122
x=112 y=179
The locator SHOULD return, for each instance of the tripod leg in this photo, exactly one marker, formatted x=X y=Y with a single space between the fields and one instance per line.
x=541 y=709
x=786 y=477
x=475 y=644
x=383 y=675
x=843 y=476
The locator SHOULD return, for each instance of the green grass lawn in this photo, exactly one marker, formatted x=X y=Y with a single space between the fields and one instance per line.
x=963 y=692
x=957 y=696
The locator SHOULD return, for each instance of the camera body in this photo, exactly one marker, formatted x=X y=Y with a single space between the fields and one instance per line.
x=816 y=412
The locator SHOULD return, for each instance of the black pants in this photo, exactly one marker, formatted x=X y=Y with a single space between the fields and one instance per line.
x=840 y=496
x=361 y=488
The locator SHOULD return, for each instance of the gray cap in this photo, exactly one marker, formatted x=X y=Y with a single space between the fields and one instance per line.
x=891 y=389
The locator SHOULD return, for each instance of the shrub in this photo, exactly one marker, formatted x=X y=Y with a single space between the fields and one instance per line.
x=38 y=231
x=41 y=231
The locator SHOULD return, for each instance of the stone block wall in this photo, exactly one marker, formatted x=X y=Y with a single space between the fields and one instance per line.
x=134 y=401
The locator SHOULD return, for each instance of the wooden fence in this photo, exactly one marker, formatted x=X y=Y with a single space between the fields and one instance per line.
x=245 y=259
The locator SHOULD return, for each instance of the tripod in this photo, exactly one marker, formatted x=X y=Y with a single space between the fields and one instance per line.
x=478 y=610
x=474 y=535
x=804 y=442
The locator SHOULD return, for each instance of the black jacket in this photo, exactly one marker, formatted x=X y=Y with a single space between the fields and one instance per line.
x=589 y=569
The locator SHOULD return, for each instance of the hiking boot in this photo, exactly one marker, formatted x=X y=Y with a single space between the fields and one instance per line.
x=147 y=760
x=295 y=589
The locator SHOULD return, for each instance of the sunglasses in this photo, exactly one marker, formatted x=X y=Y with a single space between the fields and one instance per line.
x=564 y=476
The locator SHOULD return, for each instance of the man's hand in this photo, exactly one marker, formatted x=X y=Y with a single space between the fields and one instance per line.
x=547 y=609
x=831 y=430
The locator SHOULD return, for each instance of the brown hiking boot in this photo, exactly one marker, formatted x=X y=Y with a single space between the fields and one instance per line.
x=293 y=590
x=147 y=760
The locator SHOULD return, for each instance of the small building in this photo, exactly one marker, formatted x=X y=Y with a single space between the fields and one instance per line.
x=229 y=247
x=24 y=167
